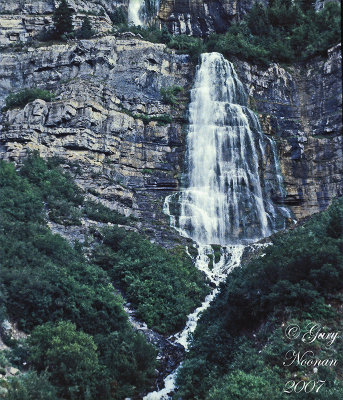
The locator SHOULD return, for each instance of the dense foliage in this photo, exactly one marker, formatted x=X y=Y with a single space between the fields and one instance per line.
x=63 y=19
x=239 y=346
x=31 y=386
x=25 y=96
x=86 y=31
x=162 y=287
x=81 y=344
x=283 y=31
x=46 y=281
x=170 y=94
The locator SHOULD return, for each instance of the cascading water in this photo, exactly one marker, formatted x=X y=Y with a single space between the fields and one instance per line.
x=140 y=12
x=136 y=12
x=232 y=176
x=226 y=199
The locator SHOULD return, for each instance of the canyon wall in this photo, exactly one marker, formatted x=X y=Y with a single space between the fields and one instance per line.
x=108 y=118
x=200 y=18
x=126 y=146
x=301 y=108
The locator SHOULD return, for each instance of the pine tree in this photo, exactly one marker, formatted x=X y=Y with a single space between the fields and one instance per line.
x=86 y=31
x=62 y=18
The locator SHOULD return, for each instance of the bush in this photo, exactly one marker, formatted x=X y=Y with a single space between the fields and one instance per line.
x=118 y=16
x=293 y=283
x=25 y=96
x=62 y=196
x=163 y=288
x=98 y=212
x=241 y=386
x=70 y=358
x=31 y=386
x=63 y=19
x=282 y=31
x=169 y=95
x=86 y=31
x=49 y=281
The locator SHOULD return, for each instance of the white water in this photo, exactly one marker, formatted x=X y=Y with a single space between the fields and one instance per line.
x=230 y=258
x=226 y=199
x=141 y=12
x=136 y=12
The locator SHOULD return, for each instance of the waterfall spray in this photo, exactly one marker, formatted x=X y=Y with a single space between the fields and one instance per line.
x=226 y=199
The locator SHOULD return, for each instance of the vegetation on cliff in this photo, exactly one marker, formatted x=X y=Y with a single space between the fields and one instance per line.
x=80 y=334
x=161 y=286
x=240 y=346
x=25 y=96
x=283 y=31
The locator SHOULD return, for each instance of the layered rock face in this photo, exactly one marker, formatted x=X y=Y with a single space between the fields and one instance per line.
x=112 y=129
x=200 y=18
x=301 y=108
x=108 y=95
x=20 y=21
x=203 y=17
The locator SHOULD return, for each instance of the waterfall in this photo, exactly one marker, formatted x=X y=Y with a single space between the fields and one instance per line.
x=226 y=198
x=232 y=174
x=136 y=12
x=141 y=12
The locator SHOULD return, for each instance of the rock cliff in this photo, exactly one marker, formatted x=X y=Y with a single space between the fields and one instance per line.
x=20 y=21
x=126 y=146
x=200 y=18
x=203 y=17
x=301 y=108
x=108 y=117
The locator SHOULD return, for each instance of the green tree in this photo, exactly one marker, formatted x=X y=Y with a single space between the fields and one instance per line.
x=70 y=356
x=241 y=386
x=86 y=31
x=63 y=19
x=31 y=386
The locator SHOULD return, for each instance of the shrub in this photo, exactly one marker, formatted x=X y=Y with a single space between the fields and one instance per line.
x=162 y=287
x=25 y=96
x=294 y=282
x=241 y=386
x=169 y=94
x=282 y=31
x=57 y=189
x=118 y=16
x=86 y=31
x=31 y=386
x=98 y=212
x=49 y=281
x=69 y=356
x=63 y=19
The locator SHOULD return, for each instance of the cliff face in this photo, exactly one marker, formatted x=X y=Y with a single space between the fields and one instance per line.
x=301 y=109
x=20 y=21
x=200 y=18
x=108 y=95
x=109 y=119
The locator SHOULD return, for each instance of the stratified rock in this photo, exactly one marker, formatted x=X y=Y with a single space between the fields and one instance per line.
x=301 y=108
x=22 y=21
x=107 y=97
x=102 y=122
x=202 y=17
